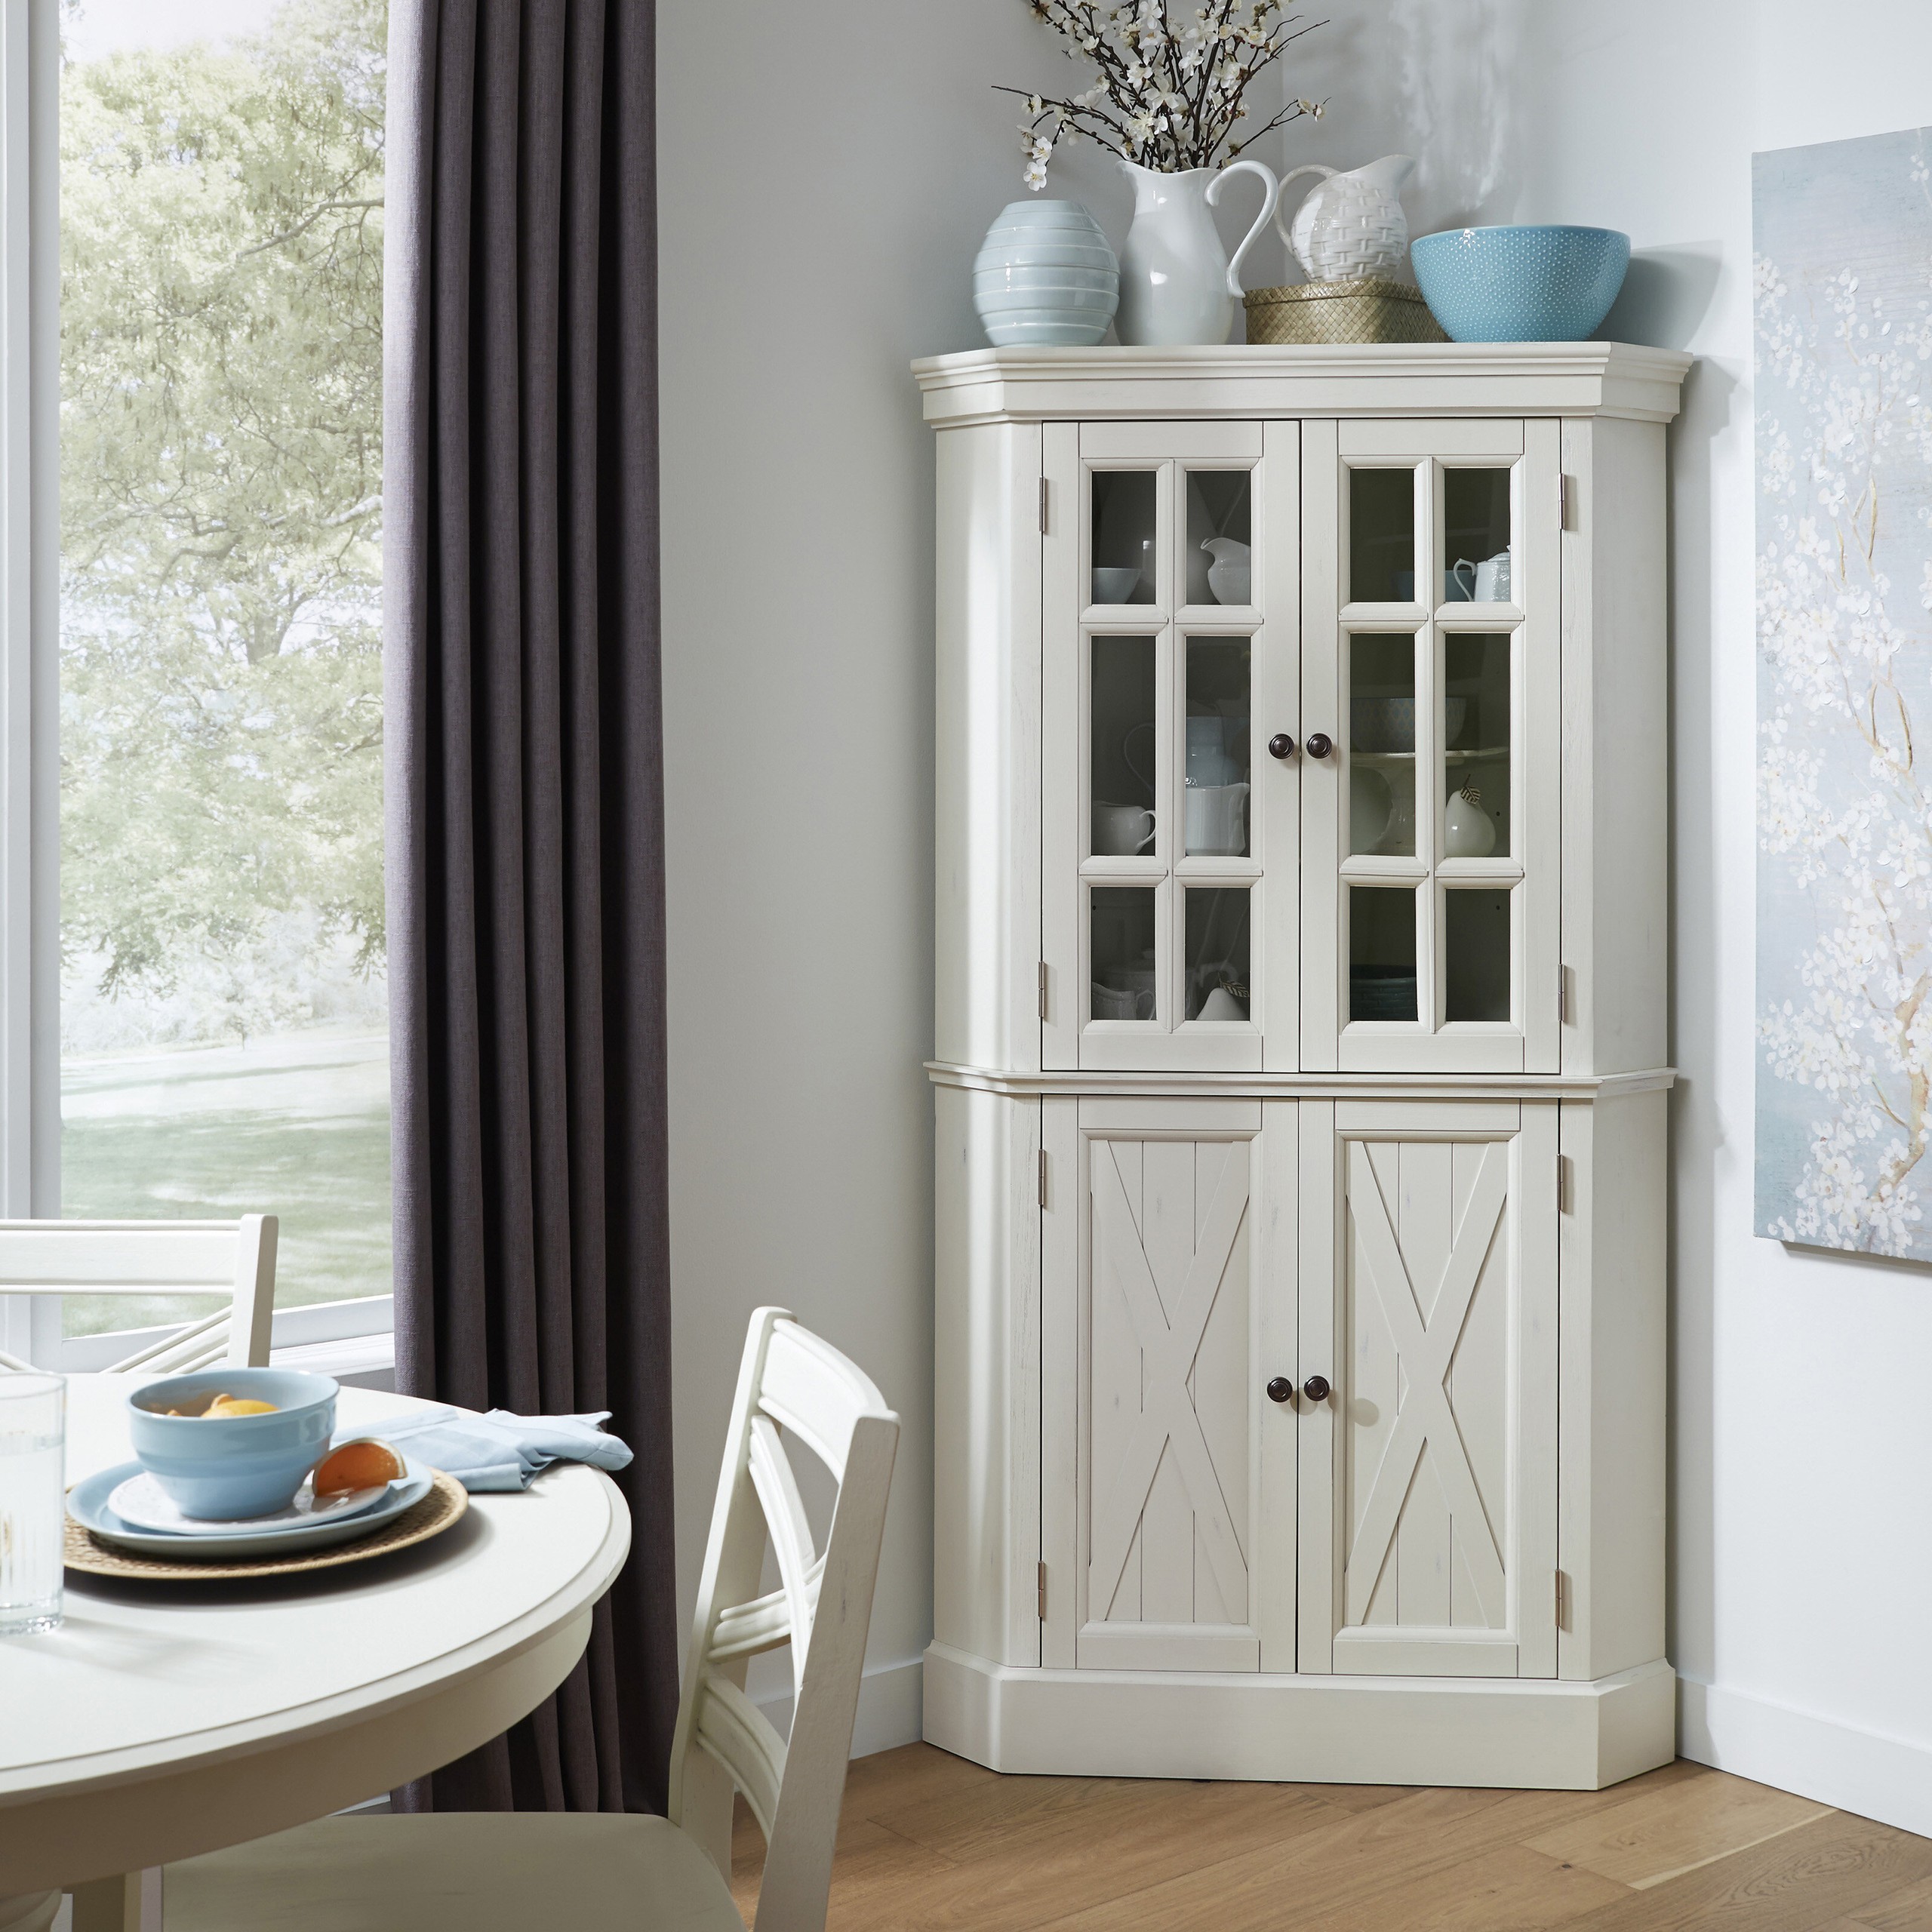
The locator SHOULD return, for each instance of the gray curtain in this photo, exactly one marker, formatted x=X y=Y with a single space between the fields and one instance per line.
x=526 y=895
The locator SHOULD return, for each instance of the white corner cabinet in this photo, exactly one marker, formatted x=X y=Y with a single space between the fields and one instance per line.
x=1300 y=1070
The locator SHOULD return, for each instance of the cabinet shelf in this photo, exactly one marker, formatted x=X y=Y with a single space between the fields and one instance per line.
x=1482 y=754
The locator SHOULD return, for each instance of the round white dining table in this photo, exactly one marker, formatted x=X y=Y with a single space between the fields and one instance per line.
x=162 y=1720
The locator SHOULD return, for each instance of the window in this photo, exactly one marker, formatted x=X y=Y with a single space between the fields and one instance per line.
x=223 y=1042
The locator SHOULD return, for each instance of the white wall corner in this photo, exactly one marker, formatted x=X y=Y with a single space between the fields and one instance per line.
x=1877 y=1776
x=891 y=1708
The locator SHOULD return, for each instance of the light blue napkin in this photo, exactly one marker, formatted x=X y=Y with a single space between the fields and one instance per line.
x=500 y=1450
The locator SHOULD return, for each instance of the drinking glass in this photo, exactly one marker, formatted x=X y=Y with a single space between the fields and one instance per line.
x=32 y=1442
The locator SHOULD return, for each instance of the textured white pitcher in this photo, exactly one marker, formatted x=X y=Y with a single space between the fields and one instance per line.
x=1177 y=284
x=1351 y=225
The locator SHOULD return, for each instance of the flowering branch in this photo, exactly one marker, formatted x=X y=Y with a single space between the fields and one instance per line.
x=1845 y=810
x=1167 y=97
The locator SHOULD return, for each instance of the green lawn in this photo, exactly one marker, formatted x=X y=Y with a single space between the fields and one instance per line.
x=148 y=1137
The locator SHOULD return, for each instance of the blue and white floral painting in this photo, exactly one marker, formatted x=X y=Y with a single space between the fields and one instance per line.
x=1843 y=248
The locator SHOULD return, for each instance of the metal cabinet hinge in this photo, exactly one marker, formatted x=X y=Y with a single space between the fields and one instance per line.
x=1043 y=989
x=1563 y=995
x=1562 y=1600
x=1043 y=1176
x=1043 y=1593
x=1563 y=500
x=1566 y=1185
x=1043 y=506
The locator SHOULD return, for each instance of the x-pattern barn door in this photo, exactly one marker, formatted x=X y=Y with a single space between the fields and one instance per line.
x=1429 y=1476
x=1171 y=1320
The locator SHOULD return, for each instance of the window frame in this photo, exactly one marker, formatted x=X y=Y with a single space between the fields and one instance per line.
x=30 y=1325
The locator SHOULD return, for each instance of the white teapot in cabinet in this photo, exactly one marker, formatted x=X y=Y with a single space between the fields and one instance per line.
x=1352 y=225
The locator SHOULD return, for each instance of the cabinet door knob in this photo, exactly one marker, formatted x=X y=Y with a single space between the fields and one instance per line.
x=1281 y=1389
x=1316 y=1389
x=1319 y=744
x=1281 y=746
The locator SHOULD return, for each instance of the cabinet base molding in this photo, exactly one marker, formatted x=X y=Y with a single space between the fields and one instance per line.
x=1541 y=1733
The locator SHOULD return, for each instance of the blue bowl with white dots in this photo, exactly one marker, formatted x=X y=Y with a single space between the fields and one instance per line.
x=1520 y=285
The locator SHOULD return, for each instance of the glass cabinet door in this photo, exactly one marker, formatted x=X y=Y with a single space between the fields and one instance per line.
x=1429 y=776
x=1169 y=606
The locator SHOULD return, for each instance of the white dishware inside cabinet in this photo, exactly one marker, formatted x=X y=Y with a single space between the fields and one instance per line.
x=1122 y=828
x=1230 y=575
x=1217 y=819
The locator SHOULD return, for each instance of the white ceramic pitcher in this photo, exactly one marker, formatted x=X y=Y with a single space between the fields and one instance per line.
x=1176 y=283
x=1352 y=225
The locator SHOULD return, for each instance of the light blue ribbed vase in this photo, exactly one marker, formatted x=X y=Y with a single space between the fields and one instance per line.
x=1045 y=276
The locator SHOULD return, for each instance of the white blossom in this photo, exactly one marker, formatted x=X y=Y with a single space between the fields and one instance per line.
x=1166 y=93
x=1842 y=812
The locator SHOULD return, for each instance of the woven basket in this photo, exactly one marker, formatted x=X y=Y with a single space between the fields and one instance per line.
x=1368 y=311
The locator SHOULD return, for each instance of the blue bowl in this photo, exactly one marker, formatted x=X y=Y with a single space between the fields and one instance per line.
x=1520 y=285
x=228 y=1467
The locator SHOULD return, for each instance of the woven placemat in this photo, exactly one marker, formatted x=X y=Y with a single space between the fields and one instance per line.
x=443 y=1506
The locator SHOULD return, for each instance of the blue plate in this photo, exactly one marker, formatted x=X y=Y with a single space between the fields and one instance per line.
x=86 y=1503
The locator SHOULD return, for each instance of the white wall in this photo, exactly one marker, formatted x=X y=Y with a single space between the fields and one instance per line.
x=826 y=173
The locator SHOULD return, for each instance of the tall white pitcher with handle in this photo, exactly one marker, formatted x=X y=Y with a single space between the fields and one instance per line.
x=1177 y=284
x=1352 y=226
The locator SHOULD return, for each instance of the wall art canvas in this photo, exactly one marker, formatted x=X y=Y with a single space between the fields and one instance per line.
x=1842 y=249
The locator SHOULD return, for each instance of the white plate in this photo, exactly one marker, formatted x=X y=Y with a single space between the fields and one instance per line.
x=141 y=1501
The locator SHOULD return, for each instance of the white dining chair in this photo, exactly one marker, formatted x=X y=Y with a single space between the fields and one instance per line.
x=232 y=1259
x=616 y=1871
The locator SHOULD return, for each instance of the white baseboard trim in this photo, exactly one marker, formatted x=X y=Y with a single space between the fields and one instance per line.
x=1886 y=1778
x=1518 y=1732
x=891 y=1708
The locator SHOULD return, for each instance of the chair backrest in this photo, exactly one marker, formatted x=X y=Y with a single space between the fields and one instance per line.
x=789 y=1379
x=232 y=1259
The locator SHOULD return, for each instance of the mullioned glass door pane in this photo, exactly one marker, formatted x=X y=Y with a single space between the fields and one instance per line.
x=1382 y=536
x=1476 y=552
x=1382 y=743
x=1125 y=971
x=1218 y=788
x=1476 y=951
x=1382 y=952
x=1122 y=749
x=1477 y=757
x=1216 y=936
x=1220 y=549
x=1122 y=539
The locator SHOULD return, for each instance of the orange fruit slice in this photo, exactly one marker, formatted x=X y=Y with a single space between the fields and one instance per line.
x=367 y=1464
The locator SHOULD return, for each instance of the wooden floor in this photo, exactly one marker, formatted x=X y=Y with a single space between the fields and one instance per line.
x=930 y=1840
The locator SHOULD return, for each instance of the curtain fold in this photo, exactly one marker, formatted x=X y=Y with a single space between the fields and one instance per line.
x=524 y=805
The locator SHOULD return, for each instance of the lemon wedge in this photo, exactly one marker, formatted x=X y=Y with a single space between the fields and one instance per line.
x=237 y=1405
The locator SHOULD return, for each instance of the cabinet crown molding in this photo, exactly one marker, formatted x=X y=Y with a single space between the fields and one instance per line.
x=1571 y=379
